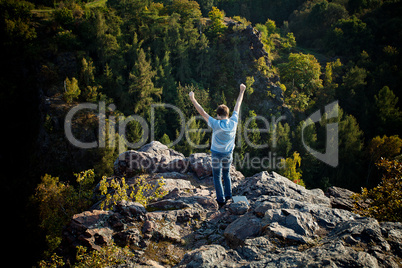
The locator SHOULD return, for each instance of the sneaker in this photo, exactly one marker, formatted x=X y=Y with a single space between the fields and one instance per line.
x=221 y=204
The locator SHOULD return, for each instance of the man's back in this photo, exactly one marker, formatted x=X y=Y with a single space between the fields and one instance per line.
x=223 y=133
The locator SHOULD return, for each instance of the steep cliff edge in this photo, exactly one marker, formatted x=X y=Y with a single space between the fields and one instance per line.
x=284 y=224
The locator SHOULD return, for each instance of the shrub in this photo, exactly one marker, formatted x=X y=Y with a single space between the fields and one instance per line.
x=114 y=190
x=385 y=200
x=107 y=256
x=58 y=201
x=289 y=168
x=71 y=90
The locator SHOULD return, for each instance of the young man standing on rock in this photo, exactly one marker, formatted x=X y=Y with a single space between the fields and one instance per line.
x=222 y=145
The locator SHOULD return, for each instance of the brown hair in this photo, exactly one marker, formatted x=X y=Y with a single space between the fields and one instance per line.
x=222 y=110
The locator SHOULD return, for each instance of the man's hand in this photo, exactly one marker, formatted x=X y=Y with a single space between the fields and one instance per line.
x=242 y=88
x=239 y=98
x=191 y=95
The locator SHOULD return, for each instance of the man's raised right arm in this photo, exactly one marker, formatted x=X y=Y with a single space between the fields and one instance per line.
x=239 y=98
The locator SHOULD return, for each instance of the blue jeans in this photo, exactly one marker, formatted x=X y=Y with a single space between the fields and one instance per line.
x=220 y=169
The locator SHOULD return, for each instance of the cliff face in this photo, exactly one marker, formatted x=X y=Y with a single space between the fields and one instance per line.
x=284 y=224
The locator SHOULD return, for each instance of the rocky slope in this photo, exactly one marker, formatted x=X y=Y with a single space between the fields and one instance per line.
x=284 y=224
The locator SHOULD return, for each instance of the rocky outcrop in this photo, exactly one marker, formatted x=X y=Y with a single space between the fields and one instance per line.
x=157 y=158
x=154 y=157
x=256 y=45
x=340 y=198
x=283 y=225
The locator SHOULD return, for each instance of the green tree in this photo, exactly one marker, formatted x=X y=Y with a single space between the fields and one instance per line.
x=71 y=90
x=349 y=37
x=188 y=10
x=217 y=27
x=252 y=135
x=353 y=93
x=194 y=137
x=142 y=88
x=166 y=80
x=387 y=147
x=16 y=24
x=87 y=80
x=388 y=113
x=165 y=139
x=350 y=154
x=108 y=154
x=302 y=72
x=131 y=12
x=283 y=141
x=290 y=168
x=58 y=201
x=327 y=93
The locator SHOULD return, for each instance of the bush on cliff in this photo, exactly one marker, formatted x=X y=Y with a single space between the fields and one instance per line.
x=385 y=200
x=58 y=201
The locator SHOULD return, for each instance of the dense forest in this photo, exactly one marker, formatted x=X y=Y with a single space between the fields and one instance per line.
x=129 y=54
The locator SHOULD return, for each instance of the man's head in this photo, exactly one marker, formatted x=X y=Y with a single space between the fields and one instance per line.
x=222 y=111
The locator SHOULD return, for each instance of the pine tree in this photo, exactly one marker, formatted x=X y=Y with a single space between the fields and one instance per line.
x=217 y=27
x=388 y=113
x=71 y=90
x=142 y=88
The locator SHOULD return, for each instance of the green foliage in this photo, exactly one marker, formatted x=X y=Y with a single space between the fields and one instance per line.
x=301 y=76
x=386 y=147
x=142 y=88
x=330 y=76
x=217 y=27
x=71 y=90
x=290 y=168
x=302 y=72
x=249 y=84
x=385 y=200
x=54 y=262
x=135 y=53
x=107 y=256
x=114 y=190
x=58 y=201
x=186 y=9
x=63 y=16
x=388 y=112
x=16 y=24
x=314 y=20
x=165 y=139
x=349 y=36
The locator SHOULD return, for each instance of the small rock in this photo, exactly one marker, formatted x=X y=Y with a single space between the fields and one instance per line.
x=238 y=208
x=148 y=226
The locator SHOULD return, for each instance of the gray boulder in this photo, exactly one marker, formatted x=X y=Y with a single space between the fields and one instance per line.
x=246 y=226
x=210 y=256
x=273 y=184
x=340 y=198
x=291 y=224
x=153 y=157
